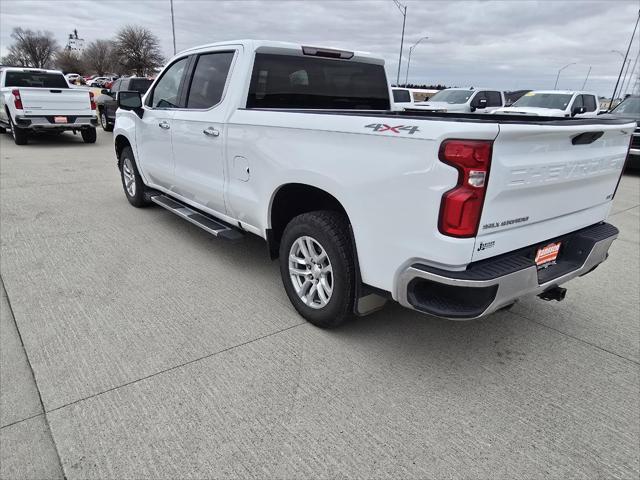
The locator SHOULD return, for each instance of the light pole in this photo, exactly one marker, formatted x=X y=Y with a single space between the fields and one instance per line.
x=558 y=76
x=403 y=11
x=586 y=78
x=406 y=78
x=633 y=69
x=624 y=60
x=173 y=28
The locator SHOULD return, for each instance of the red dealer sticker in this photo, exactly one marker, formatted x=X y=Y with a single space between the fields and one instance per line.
x=548 y=253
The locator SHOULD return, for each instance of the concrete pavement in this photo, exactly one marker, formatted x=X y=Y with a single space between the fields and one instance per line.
x=159 y=351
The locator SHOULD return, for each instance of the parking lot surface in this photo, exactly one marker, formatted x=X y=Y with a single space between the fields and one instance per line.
x=136 y=345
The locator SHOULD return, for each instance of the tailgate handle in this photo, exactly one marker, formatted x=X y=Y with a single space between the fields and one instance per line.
x=586 y=138
x=55 y=91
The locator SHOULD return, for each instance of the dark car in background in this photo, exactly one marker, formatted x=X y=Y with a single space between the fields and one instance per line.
x=106 y=101
x=630 y=108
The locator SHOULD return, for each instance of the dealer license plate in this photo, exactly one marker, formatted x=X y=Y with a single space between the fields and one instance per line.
x=547 y=254
x=59 y=119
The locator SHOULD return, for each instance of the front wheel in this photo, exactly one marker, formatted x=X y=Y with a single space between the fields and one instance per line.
x=89 y=135
x=134 y=188
x=317 y=267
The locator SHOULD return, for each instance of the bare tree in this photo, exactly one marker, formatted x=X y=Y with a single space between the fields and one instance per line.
x=137 y=50
x=98 y=57
x=31 y=49
x=69 y=61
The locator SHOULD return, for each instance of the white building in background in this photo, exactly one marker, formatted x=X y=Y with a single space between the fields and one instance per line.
x=75 y=44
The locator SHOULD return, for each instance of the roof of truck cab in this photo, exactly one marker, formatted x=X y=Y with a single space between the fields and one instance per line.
x=256 y=44
x=562 y=92
x=28 y=69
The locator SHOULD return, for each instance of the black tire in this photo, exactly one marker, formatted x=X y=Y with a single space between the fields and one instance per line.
x=20 y=135
x=3 y=130
x=89 y=135
x=331 y=230
x=141 y=193
x=104 y=121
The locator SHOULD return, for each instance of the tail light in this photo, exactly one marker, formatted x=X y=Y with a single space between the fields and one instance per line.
x=93 y=103
x=461 y=206
x=17 y=100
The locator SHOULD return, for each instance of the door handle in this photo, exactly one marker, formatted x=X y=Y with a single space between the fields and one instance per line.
x=212 y=132
x=163 y=124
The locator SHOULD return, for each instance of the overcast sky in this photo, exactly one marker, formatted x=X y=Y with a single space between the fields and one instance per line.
x=502 y=44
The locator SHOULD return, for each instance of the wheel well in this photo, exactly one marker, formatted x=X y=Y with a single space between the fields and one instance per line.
x=292 y=200
x=121 y=143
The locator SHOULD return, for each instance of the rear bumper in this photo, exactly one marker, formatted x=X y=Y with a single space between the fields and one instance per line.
x=76 y=122
x=491 y=284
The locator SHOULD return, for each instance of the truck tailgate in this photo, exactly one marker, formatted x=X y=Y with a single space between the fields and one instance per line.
x=548 y=180
x=45 y=101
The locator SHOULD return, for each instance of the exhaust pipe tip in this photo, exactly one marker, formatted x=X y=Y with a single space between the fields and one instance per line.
x=554 y=293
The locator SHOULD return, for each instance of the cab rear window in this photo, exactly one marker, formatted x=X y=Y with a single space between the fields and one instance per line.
x=286 y=81
x=35 y=79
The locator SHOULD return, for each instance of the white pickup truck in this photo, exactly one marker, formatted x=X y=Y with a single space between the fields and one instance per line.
x=453 y=215
x=462 y=100
x=35 y=100
x=554 y=103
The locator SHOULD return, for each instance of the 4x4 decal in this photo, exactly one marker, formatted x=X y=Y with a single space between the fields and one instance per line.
x=382 y=127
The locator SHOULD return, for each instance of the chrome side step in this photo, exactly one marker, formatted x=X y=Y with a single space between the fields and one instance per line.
x=211 y=225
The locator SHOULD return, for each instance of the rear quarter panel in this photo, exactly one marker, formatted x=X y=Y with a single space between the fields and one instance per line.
x=389 y=183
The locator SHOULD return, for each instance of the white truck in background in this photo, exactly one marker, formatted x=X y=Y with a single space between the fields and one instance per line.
x=35 y=100
x=554 y=103
x=450 y=214
x=463 y=100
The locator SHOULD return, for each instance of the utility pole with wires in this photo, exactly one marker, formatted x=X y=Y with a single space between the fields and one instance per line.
x=173 y=28
x=403 y=11
x=624 y=61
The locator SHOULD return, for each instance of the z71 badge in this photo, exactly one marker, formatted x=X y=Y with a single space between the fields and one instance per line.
x=382 y=127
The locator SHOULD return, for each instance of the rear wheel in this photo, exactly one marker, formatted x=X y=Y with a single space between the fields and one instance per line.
x=317 y=267
x=89 y=135
x=134 y=188
x=20 y=135
x=104 y=122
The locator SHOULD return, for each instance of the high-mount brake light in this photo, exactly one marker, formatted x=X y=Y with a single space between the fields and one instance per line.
x=461 y=206
x=327 y=52
x=92 y=100
x=17 y=99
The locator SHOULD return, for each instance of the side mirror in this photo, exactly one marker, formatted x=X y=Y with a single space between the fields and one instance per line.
x=482 y=103
x=105 y=91
x=577 y=111
x=128 y=100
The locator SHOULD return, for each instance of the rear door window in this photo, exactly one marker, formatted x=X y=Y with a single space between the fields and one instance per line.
x=401 y=96
x=209 y=79
x=287 y=81
x=589 y=102
x=140 y=85
x=494 y=99
x=35 y=79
